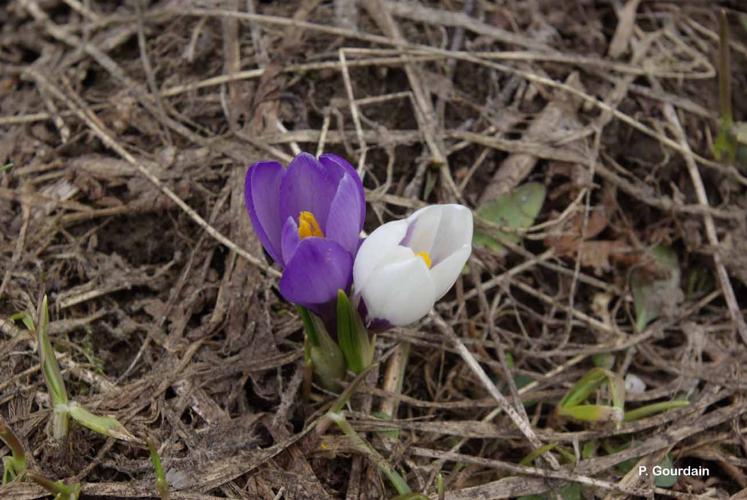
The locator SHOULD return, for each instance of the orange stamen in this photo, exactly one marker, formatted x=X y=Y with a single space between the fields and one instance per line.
x=426 y=258
x=308 y=226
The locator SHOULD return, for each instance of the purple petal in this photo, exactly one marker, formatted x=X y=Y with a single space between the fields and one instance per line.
x=307 y=186
x=343 y=223
x=317 y=270
x=341 y=165
x=261 y=192
x=289 y=239
x=374 y=325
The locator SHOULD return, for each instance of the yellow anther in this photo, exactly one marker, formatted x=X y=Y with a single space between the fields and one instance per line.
x=426 y=258
x=308 y=226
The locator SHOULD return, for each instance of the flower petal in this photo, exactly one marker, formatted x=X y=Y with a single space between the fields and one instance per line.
x=454 y=232
x=261 y=192
x=375 y=249
x=343 y=222
x=318 y=269
x=307 y=186
x=423 y=228
x=289 y=239
x=400 y=293
x=341 y=165
x=446 y=272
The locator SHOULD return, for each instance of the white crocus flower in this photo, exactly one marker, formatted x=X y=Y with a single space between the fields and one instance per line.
x=405 y=266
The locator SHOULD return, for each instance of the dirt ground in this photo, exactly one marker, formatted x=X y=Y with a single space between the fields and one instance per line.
x=126 y=129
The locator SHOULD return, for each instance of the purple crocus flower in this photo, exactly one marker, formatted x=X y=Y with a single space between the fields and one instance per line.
x=308 y=218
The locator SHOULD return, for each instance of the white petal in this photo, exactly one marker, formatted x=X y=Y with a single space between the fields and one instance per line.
x=376 y=248
x=401 y=292
x=390 y=255
x=423 y=228
x=634 y=384
x=446 y=272
x=454 y=232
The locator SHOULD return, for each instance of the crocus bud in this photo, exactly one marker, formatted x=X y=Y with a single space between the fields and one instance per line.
x=405 y=266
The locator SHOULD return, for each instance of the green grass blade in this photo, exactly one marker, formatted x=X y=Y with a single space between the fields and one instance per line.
x=162 y=486
x=654 y=408
x=592 y=413
x=60 y=490
x=586 y=385
x=106 y=426
x=396 y=480
x=52 y=375
x=14 y=465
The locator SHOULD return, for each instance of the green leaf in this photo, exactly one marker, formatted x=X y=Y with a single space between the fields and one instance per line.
x=411 y=496
x=52 y=374
x=440 y=486
x=616 y=386
x=351 y=388
x=25 y=318
x=568 y=456
x=527 y=460
x=162 y=485
x=522 y=380
x=725 y=144
x=571 y=491
x=390 y=433
x=585 y=386
x=571 y=405
x=322 y=352
x=106 y=426
x=509 y=360
x=699 y=282
x=308 y=326
x=589 y=450
x=59 y=489
x=654 y=408
x=604 y=360
x=658 y=292
x=517 y=209
x=627 y=465
x=669 y=478
x=14 y=465
x=592 y=413
x=395 y=479
x=352 y=336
